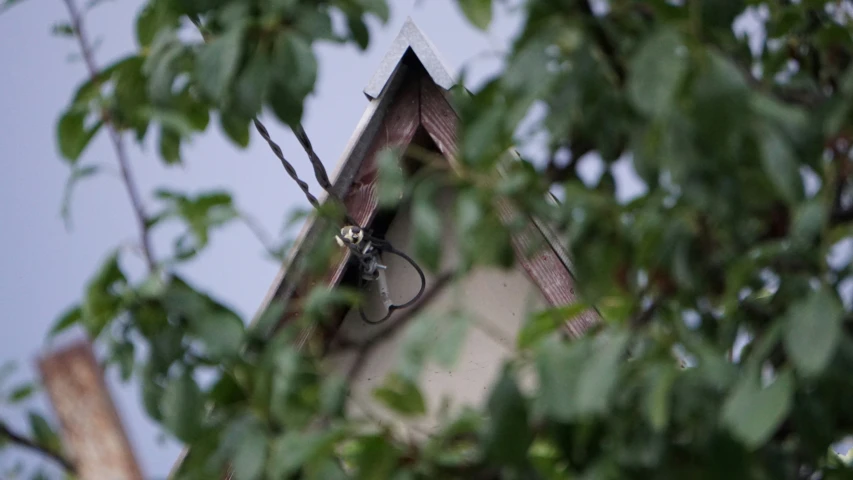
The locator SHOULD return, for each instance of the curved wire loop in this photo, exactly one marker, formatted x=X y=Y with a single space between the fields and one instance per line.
x=372 y=272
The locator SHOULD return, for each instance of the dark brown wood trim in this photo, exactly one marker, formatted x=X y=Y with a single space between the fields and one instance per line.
x=544 y=266
x=397 y=130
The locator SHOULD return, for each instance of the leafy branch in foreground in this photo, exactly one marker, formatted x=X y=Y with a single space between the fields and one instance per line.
x=723 y=279
x=19 y=440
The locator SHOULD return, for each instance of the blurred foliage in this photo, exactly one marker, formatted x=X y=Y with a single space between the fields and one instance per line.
x=727 y=338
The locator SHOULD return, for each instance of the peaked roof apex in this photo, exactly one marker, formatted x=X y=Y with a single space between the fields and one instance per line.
x=410 y=36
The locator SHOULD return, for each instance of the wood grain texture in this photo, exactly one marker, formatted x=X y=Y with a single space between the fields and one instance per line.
x=396 y=131
x=91 y=429
x=543 y=266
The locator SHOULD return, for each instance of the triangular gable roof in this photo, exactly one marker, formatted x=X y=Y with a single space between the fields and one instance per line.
x=389 y=91
x=410 y=37
x=381 y=91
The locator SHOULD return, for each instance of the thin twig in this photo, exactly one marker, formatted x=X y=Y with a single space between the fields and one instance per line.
x=115 y=136
x=24 y=442
x=365 y=347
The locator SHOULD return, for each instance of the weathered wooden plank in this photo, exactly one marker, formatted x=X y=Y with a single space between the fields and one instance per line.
x=543 y=266
x=91 y=429
x=397 y=130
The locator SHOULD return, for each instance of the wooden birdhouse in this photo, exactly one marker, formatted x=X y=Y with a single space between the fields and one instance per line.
x=409 y=109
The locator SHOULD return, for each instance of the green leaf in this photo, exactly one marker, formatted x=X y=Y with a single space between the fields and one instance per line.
x=43 y=434
x=125 y=358
x=103 y=303
x=7 y=4
x=358 y=31
x=173 y=120
x=216 y=64
x=295 y=69
x=251 y=453
x=378 y=8
x=252 y=85
x=155 y=15
x=151 y=393
x=67 y=320
x=483 y=134
x=752 y=414
x=62 y=30
x=333 y=395
x=236 y=127
x=317 y=24
x=183 y=408
x=809 y=220
x=294 y=449
x=170 y=146
x=401 y=395
x=376 y=458
x=392 y=180
x=146 y=24
x=508 y=435
x=559 y=367
x=780 y=164
x=201 y=213
x=166 y=59
x=220 y=330
x=546 y=322
x=72 y=134
x=599 y=376
x=813 y=331
x=21 y=392
x=286 y=106
x=294 y=64
x=226 y=391
x=478 y=12
x=77 y=174
x=428 y=227
x=656 y=72
x=658 y=396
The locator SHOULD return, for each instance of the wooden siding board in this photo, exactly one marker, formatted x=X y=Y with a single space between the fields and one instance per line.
x=91 y=429
x=544 y=266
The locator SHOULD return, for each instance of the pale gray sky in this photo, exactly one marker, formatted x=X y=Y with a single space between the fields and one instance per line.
x=45 y=267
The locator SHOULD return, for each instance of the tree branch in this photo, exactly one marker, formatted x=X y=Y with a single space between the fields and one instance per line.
x=24 y=442
x=115 y=137
x=365 y=347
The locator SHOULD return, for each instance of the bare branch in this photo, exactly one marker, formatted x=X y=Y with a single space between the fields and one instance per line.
x=115 y=136
x=29 y=444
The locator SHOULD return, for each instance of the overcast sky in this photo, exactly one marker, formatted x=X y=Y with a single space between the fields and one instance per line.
x=44 y=266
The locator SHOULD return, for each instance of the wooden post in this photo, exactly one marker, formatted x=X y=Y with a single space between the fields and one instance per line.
x=91 y=429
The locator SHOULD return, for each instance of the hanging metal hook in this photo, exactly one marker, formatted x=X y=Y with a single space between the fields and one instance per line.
x=366 y=250
x=376 y=271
